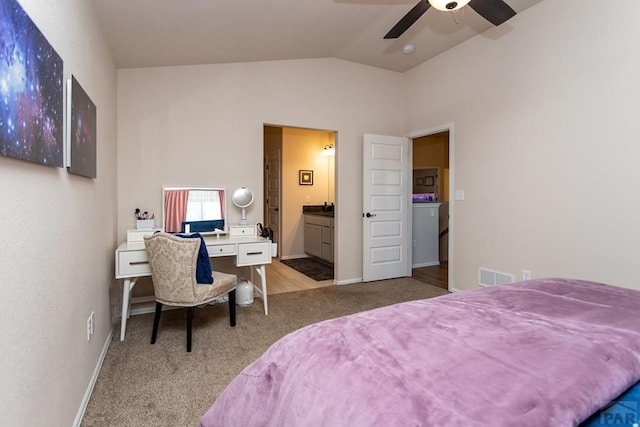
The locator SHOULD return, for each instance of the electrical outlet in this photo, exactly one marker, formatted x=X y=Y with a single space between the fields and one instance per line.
x=91 y=325
x=526 y=275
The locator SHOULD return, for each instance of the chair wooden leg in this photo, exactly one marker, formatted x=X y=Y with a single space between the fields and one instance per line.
x=156 y=322
x=232 y=308
x=190 y=311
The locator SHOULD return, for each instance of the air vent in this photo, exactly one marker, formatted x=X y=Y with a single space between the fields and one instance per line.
x=491 y=277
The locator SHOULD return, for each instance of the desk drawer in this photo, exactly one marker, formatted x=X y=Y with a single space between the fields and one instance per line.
x=221 y=250
x=254 y=253
x=242 y=230
x=133 y=263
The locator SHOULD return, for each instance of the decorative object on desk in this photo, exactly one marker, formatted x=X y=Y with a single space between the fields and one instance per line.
x=311 y=267
x=242 y=198
x=305 y=177
x=32 y=112
x=81 y=131
x=145 y=220
x=265 y=232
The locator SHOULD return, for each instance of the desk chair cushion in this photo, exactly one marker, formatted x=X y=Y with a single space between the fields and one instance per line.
x=204 y=275
x=173 y=263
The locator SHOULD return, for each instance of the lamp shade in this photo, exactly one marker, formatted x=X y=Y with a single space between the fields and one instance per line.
x=448 y=5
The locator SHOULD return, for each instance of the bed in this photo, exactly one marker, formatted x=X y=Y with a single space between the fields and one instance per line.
x=548 y=352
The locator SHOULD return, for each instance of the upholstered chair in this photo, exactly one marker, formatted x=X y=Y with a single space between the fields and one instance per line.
x=173 y=261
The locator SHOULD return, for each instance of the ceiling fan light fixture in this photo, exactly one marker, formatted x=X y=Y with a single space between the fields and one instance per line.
x=448 y=5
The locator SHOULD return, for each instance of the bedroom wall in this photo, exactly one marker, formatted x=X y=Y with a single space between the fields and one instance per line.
x=203 y=125
x=546 y=133
x=58 y=238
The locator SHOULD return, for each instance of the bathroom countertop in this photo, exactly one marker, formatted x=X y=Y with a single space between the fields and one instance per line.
x=319 y=213
x=319 y=210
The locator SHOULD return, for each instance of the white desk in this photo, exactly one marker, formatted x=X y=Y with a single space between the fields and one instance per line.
x=255 y=252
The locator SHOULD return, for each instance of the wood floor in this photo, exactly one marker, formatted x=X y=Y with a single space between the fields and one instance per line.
x=437 y=275
x=281 y=278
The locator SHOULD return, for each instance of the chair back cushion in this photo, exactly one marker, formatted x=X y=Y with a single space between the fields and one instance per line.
x=173 y=263
x=204 y=275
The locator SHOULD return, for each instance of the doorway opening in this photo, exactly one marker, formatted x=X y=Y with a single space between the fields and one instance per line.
x=299 y=172
x=430 y=208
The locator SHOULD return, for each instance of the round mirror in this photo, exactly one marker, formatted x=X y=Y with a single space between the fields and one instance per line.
x=242 y=198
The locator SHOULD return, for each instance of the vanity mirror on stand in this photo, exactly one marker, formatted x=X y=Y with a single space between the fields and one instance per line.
x=242 y=198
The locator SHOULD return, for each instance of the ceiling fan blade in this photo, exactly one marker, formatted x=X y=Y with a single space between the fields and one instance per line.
x=408 y=20
x=494 y=11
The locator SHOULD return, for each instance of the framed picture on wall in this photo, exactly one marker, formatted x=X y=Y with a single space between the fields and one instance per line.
x=31 y=110
x=305 y=177
x=81 y=131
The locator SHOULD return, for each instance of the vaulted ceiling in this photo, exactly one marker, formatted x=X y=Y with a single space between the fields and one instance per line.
x=152 y=33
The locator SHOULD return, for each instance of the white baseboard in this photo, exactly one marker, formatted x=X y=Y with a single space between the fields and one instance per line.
x=349 y=281
x=142 y=308
x=294 y=256
x=92 y=382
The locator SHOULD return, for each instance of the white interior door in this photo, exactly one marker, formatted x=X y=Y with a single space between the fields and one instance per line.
x=385 y=218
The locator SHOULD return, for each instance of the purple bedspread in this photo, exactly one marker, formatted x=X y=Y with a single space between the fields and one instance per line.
x=538 y=353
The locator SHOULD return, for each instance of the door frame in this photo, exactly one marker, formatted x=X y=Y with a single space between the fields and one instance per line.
x=266 y=204
x=426 y=132
x=282 y=211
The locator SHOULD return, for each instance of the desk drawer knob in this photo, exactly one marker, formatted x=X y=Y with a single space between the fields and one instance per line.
x=138 y=262
x=254 y=253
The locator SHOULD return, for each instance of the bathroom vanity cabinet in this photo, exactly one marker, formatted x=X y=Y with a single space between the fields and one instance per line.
x=318 y=236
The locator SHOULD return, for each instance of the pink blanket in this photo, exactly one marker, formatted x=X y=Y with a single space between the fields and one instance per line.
x=538 y=353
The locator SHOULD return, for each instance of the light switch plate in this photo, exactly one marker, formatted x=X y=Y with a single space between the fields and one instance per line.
x=459 y=195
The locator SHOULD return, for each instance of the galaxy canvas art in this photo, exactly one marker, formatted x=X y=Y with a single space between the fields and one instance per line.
x=82 y=131
x=31 y=90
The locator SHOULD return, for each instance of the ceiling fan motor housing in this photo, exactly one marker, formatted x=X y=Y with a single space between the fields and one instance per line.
x=447 y=5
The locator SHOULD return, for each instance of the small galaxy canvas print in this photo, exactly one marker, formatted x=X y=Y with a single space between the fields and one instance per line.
x=82 y=131
x=31 y=91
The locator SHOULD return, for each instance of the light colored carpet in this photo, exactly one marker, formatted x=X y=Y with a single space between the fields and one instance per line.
x=163 y=385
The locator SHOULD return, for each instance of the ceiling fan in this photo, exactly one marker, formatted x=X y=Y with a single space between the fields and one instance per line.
x=494 y=11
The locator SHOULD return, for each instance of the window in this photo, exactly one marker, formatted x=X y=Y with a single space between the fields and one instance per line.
x=203 y=205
